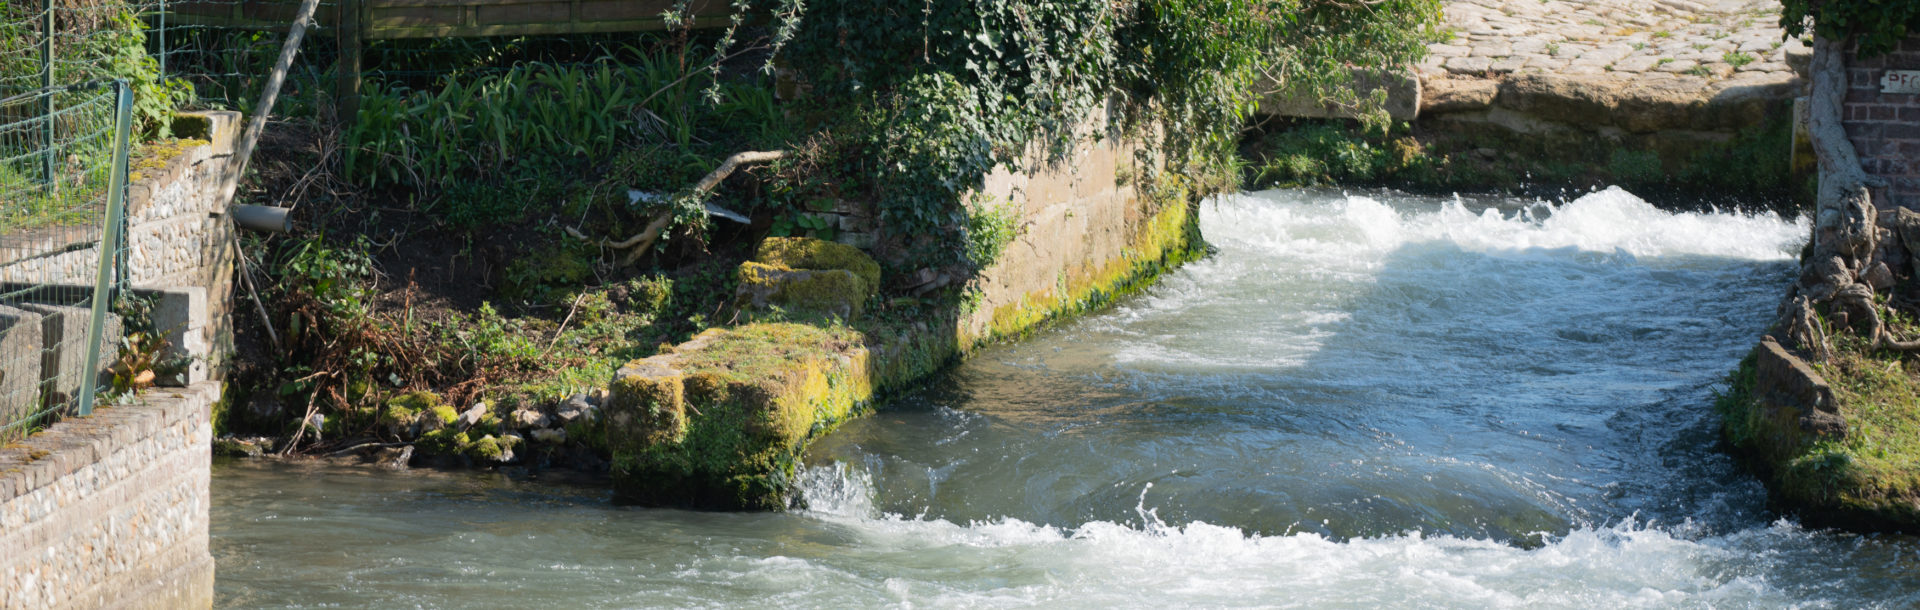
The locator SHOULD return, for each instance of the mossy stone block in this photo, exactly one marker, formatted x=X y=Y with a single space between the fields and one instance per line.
x=818 y=254
x=719 y=423
x=834 y=292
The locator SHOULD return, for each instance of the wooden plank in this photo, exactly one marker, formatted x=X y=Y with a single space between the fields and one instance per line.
x=513 y=14
x=421 y=17
x=421 y=3
x=378 y=31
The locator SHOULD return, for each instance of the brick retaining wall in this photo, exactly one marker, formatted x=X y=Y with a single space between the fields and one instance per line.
x=1885 y=127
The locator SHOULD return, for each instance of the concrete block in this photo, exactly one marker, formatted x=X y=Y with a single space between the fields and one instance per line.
x=1403 y=90
x=64 y=335
x=20 y=362
x=181 y=315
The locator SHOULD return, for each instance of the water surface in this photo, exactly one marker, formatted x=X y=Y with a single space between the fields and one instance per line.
x=1358 y=401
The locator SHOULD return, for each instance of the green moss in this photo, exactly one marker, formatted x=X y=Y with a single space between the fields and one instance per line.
x=752 y=396
x=156 y=155
x=567 y=264
x=831 y=291
x=445 y=414
x=437 y=442
x=405 y=409
x=487 y=448
x=810 y=253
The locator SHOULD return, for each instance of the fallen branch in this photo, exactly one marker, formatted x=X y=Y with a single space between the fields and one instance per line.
x=643 y=241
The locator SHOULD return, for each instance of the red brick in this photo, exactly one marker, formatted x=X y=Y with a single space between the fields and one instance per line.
x=1860 y=77
x=1902 y=131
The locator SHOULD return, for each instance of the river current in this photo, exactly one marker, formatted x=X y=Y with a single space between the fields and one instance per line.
x=1357 y=401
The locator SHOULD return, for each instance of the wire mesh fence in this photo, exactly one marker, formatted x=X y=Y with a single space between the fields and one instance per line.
x=62 y=247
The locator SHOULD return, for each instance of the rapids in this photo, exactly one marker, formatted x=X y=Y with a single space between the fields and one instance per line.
x=1357 y=401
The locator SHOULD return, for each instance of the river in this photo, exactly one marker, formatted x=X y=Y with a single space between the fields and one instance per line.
x=1358 y=401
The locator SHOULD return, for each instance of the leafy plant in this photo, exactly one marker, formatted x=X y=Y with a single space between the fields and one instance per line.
x=1877 y=26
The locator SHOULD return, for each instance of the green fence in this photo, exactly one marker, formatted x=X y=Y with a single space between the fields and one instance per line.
x=62 y=248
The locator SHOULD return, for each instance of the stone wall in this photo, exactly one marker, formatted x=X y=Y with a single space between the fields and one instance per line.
x=700 y=425
x=1085 y=229
x=178 y=236
x=111 y=510
x=1884 y=126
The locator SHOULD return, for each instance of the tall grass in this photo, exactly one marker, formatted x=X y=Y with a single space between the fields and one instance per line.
x=539 y=113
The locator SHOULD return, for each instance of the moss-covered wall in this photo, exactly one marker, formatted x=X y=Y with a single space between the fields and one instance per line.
x=720 y=422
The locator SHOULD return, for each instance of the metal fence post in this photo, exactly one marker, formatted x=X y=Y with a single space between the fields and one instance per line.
x=160 y=31
x=110 y=242
x=46 y=84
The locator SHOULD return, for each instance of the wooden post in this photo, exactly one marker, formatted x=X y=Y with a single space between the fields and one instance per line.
x=346 y=88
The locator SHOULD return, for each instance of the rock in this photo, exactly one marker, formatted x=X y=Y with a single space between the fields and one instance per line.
x=1487 y=153
x=809 y=253
x=806 y=275
x=1878 y=276
x=1562 y=99
x=1789 y=389
x=552 y=436
x=711 y=423
x=1443 y=95
x=472 y=415
x=1402 y=88
x=527 y=419
x=493 y=449
x=576 y=407
x=397 y=458
x=230 y=446
x=836 y=292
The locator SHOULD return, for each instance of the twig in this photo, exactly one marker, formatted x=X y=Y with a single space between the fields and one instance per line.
x=374 y=444
x=246 y=275
x=563 y=324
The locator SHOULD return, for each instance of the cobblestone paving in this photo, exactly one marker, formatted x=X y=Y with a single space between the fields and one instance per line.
x=1736 y=40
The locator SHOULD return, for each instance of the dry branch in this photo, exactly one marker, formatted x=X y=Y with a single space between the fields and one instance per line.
x=643 y=241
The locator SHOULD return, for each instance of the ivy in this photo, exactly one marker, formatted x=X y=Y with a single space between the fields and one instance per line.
x=948 y=90
x=1877 y=26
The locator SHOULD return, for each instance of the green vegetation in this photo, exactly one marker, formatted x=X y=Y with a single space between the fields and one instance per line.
x=1436 y=159
x=532 y=172
x=1869 y=477
x=1877 y=26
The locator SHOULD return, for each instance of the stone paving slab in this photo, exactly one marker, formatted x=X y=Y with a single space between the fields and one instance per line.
x=1713 y=40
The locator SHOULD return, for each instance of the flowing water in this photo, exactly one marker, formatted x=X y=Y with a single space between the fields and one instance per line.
x=1356 y=402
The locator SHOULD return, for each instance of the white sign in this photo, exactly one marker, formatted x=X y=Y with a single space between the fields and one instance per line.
x=1900 y=81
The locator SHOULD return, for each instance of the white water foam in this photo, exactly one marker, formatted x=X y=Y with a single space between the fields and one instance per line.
x=1154 y=564
x=1296 y=266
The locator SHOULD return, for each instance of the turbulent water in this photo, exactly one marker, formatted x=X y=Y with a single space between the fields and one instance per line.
x=1358 y=401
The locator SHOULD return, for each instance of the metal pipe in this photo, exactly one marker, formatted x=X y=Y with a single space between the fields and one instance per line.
x=262 y=218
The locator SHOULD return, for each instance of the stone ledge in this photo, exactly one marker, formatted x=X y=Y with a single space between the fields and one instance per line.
x=67 y=446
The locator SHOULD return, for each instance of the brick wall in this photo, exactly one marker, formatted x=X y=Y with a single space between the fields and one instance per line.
x=1885 y=127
